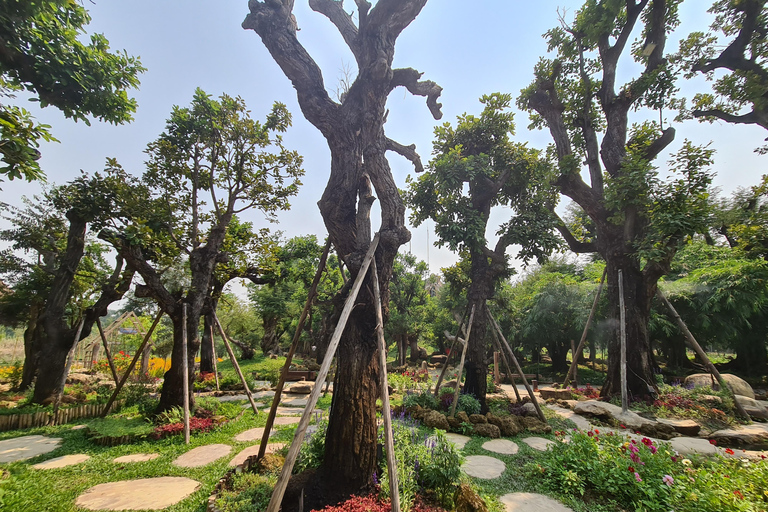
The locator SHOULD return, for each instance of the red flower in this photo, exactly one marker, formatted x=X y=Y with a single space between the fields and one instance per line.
x=713 y=442
x=631 y=469
x=729 y=451
x=738 y=495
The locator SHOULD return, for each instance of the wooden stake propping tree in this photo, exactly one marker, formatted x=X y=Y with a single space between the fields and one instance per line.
x=450 y=352
x=577 y=353
x=461 y=363
x=185 y=369
x=235 y=364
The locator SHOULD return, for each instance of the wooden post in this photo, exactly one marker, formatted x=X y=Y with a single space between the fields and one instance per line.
x=702 y=355
x=582 y=342
x=496 y=377
x=131 y=366
x=106 y=351
x=623 y=360
x=70 y=359
x=506 y=362
x=394 y=489
x=215 y=360
x=292 y=350
x=519 y=369
x=298 y=437
x=237 y=366
x=461 y=364
x=447 y=359
x=185 y=369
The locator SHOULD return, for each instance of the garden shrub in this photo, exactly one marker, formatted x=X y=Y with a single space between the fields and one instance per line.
x=373 y=503
x=424 y=399
x=467 y=403
x=248 y=492
x=312 y=450
x=650 y=477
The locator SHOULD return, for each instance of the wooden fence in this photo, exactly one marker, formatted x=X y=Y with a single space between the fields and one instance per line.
x=43 y=418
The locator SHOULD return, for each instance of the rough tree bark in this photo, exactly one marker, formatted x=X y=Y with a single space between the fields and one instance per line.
x=354 y=131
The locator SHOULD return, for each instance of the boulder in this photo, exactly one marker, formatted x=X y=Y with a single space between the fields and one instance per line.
x=462 y=417
x=530 y=409
x=467 y=500
x=658 y=430
x=507 y=424
x=300 y=388
x=754 y=436
x=536 y=426
x=752 y=407
x=604 y=410
x=557 y=394
x=434 y=419
x=80 y=378
x=684 y=427
x=477 y=418
x=712 y=399
x=487 y=430
x=438 y=359
x=738 y=385
x=454 y=422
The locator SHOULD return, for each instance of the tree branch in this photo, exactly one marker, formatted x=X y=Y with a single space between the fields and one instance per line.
x=657 y=146
x=409 y=78
x=575 y=245
x=394 y=15
x=408 y=152
x=334 y=11
x=752 y=117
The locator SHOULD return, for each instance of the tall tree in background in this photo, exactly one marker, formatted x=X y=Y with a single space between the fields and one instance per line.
x=477 y=167
x=42 y=52
x=354 y=130
x=639 y=220
x=212 y=163
x=408 y=298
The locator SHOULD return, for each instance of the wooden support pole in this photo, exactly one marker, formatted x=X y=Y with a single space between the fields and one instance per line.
x=185 y=369
x=106 y=351
x=386 y=413
x=519 y=369
x=575 y=363
x=236 y=366
x=623 y=360
x=702 y=355
x=506 y=362
x=453 y=347
x=461 y=364
x=70 y=359
x=132 y=365
x=215 y=360
x=298 y=437
x=292 y=350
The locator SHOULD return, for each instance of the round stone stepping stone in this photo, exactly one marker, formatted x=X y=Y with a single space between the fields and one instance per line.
x=458 y=440
x=254 y=434
x=253 y=450
x=294 y=402
x=137 y=457
x=529 y=502
x=62 y=462
x=261 y=394
x=289 y=411
x=79 y=427
x=502 y=446
x=693 y=445
x=202 y=455
x=484 y=467
x=538 y=443
x=289 y=420
x=144 y=494
x=26 y=447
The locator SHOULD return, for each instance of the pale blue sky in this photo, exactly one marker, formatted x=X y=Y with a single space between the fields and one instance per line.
x=469 y=48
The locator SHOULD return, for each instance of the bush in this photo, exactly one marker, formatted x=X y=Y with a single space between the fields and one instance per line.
x=248 y=492
x=312 y=451
x=424 y=399
x=467 y=403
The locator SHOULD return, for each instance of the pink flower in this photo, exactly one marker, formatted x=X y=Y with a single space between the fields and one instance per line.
x=653 y=449
x=668 y=480
x=637 y=477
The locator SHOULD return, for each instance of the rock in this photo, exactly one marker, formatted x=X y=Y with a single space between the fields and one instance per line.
x=712 y=399
x=738 y=385
x=79 y=378
x=693 y=446
x=502 y=446
x=454 y=422
x=752 y=407
x=557 y=394
x=438 y=359
x=755 y=435
x=451 y=384
x=483 y=467
x=536 y=426
x=300 y=388
x=477 y=418
x=684 y=427
x=658 y=430
x=467 y=500
x=487 y=430
x=434 y=419
x=605 y=410
x=462 y=417
x=530 y=409
x=507 y=424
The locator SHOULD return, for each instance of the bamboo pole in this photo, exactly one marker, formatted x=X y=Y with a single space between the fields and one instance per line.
x=453 y=346
x=70 y=359
x=623 y=360
x=215 y=360
x=519 y=369
x=461 y=364
x=576 y=355
x=107 y=352
x=185 y=369
x=292 y=350
x=132 y=365
x=298 y=438
x=386 y=413
x=702 y=355
x=236 y=365
x=506 y=362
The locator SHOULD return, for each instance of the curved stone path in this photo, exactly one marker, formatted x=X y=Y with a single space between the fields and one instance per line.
x=62 y=462
x=143 y=494
x=503 y=446
x=483 y=467
x=136 y=457
x=529 y=502
x=26 y=447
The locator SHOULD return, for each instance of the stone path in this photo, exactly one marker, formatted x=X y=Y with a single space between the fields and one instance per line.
x=62 y=462
x=538 y=443
x=253 y=450
x=254 y=434
x=136 y=457
x=147 y=493
x=483 y=467
x=457 y=440
x=202 y=455
x=26 y=447
x=503 y=446
x=529 y=502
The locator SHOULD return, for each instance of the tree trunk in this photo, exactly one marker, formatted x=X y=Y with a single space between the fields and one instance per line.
x=476 y=364
x=675 y=351
x=638 y=293
x=206 y=345
x=402 y=342
x=31 y=347
x=558 y=353
x=173 y=382
x=413 y=343
x=269 y=343
x=751 y=356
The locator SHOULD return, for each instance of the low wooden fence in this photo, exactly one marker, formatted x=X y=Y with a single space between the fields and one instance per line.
x=43 y=418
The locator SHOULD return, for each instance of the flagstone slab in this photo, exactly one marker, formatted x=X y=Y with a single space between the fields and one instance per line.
x=254 y=434
x=294 y=402
x=529 y=502
x=693 y=445
x=79 y=427
x=580 y=421
x=287 y=420
x=136 y=457
x=63 y=461
x=458 y=440
x=143 y=494
x=483 y=467
x=503 y=446
x=202 y=455
x=538 y=443
x=26 y=447
x=289 y=411
x=253 y=450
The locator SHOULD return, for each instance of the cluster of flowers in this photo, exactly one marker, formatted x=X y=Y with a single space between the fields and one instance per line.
x=587 y=392
x=373 y=503
x=417 y=375
x=195 y=425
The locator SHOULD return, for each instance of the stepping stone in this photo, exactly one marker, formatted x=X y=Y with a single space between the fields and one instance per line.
x=259 y=405
x=26 y=447
x=144 y=494
x=261 y=394
x=287 y=420
x=458 y=440
x=538 y=443
x=202 y=455
x=693 y=445
x=262 y=385
x=578 y=420
x=253 y=450
x=502 y=446
x=289 y=411
x=137 y=457
x=79 y=427
x=62 y=462
x=529 y=502
x=483 y=467
x=254 y=434
x=294 y=402
x=685 y=427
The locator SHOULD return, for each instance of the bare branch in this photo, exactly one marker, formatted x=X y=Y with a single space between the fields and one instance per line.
x=752 y=117
x=394 y=15
x=575 y=245
x=408 y=152
x=409 y=78
x=334 y=11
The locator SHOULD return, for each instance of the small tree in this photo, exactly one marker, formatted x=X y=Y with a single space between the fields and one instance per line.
x=408 y=299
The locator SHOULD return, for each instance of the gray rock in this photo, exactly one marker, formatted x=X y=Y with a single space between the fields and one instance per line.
x=755 y=435
x=738 y=385
x=685 y=427
x=752 y=407
x=557 y=394
x=530 y=409
x=605 y=410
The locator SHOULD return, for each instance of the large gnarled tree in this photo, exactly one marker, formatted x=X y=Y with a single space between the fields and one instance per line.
x=354 y=130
